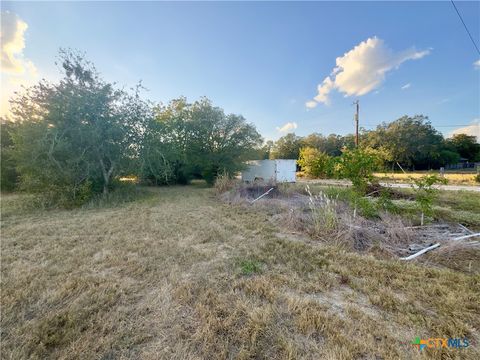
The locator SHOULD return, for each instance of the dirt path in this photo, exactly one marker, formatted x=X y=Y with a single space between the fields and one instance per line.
x=394 y=185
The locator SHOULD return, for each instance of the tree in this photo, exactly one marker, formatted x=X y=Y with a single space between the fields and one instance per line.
x=164 y=146
x=9 y=175
x=220 y=142
x=411 y=141
x=287 y=147
x=358 y=166
x=331 y=145
x=466 y=145
x=187 y=140
x=266 y=150
x=76 y=136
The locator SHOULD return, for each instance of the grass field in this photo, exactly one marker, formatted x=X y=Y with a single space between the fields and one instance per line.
x=178 y=274
x=454 y=178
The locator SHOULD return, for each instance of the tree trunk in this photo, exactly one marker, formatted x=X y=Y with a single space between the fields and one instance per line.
x=106 y=175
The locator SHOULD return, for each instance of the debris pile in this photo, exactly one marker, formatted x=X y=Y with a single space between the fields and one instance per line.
x=335 y=222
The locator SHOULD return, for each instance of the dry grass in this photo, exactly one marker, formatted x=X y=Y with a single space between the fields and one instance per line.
x=181 y=275
x=454 y=178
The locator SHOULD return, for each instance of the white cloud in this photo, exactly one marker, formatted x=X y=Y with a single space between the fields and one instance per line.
x=13 y=42
x=18 y=70
x=363 y=69
x=476 y=64
x=311 y=104
x=406 y=86
x=287 y=127
x=472 y=129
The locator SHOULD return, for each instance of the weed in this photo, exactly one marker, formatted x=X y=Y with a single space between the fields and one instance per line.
x=223 y=183
x=323 y=212
x=250 y=267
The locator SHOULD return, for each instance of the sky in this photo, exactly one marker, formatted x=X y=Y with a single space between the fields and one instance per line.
x=285 y=66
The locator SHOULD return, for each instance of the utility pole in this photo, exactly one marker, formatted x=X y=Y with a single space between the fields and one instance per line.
x=357 y=106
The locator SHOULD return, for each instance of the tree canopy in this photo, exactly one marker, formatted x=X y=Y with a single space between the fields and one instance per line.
x=466 y=146
x=75 y=138
x=196 y=140
x=410 y=141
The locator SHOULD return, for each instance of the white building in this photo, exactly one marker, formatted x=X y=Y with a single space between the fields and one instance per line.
x=278 y=170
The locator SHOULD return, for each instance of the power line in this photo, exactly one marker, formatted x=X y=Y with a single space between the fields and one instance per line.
x=435 y=126
x=465 y=26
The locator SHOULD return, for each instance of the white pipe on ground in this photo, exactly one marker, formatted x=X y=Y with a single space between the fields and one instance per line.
x=265 y=194
x=421 y=252
x=466 y=237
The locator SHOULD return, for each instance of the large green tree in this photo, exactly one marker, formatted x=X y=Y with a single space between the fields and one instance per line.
x=410 y=141
x=466 y=145
x=75 y=136
x=331 y=144
x=187 y=140
x=287 y=147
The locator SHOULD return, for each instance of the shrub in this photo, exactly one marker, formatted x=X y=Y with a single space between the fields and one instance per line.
x=315 y=163
x=8 y=173
x=358 y=166
x=75 y=137
x=385 y=203
x=362 y=205
x=425 y=192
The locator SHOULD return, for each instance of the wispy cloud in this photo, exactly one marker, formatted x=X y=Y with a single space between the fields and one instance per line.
x=472 y=129
x=287 y=127
x=476 y=64
x=17 y=69
x=363 y=69
x=406 y=86
x=445 y=100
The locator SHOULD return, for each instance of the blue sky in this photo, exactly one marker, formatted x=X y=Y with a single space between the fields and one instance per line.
x=264 y=60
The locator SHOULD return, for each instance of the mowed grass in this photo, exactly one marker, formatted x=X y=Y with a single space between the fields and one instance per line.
x=178 y=274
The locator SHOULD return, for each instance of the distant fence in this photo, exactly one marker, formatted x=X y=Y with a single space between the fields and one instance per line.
x=465 y=165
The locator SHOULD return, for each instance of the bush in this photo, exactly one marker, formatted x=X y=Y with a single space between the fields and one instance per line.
x=358 y=166
x=363 y=205
x=384 y=202
x=124 y=192
x=59 y=193
x=74 y=138
x=8 y=172
x=477 y=178
x=315 y=163
x=425 y=193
